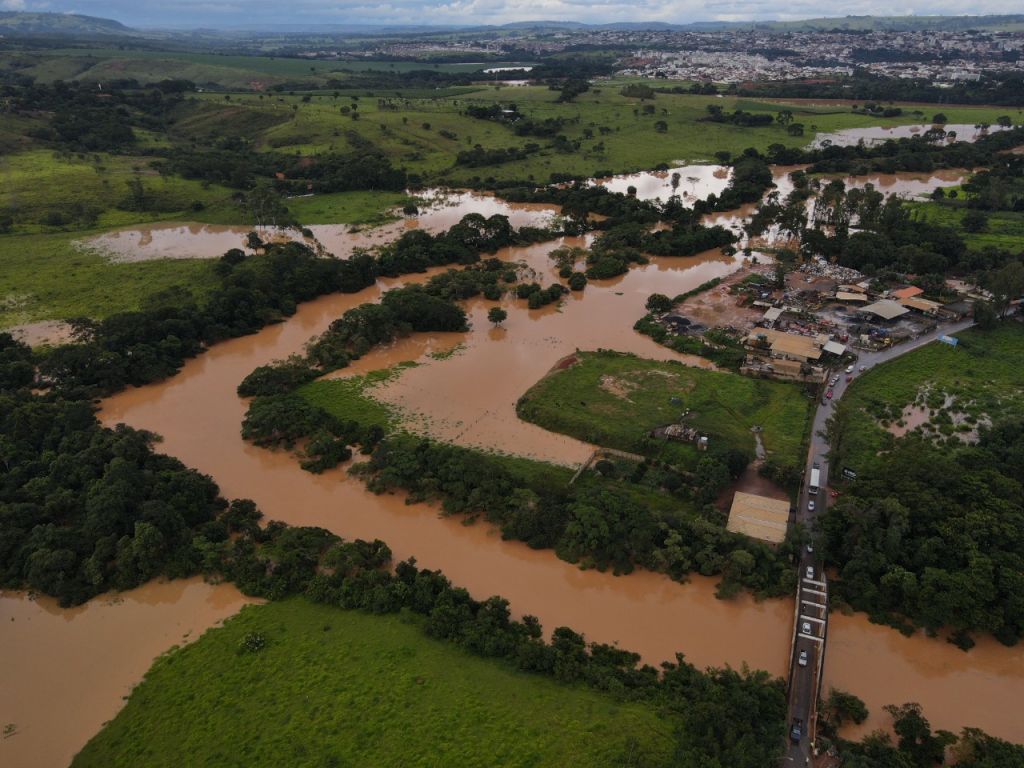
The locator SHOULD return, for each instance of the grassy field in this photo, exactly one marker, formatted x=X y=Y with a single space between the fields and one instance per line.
x=347 y=207
x=411 y=135
x=340 y=688
x=614 y=399
x=1005 y=229
x=85 y=190
x=46 y=277
x=225 y=70
x=980 y=378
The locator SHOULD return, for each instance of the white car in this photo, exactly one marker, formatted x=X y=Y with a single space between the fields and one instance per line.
x=810 y=572
x=802 y=658
x=849 y=369
x=810 y=505
x=806 y=627
x=863 y=367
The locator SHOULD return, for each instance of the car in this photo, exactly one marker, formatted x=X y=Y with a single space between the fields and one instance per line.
x=810 y=548
x=802 y=659
x=806 y=627
x=810 y=572
x=849 y=379
x=810 y=505
x=828 y=394
x=815 y=465
x=863 y=368
x=833 y=381
x=797 y=731
x=849 y=369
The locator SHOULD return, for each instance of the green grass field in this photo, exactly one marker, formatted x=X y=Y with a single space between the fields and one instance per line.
x=1005 y=229
x=411 y=133
x=86 y=190
x=348 y=207
x=46 y=277
x=341 y=688
x=982 y=377
x=614 y=399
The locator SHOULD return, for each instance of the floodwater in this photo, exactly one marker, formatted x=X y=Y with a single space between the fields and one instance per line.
x=198 y=414
x=66 y=672
x=695 y=182
x=879 y=134
x=440 y=210
x=981 y=688
x=45 y=332
x=469 y=397
x=905 y=184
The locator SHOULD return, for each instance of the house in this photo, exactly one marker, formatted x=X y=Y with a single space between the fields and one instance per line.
x=906 y=293
x=926 y=306
x=850 y=296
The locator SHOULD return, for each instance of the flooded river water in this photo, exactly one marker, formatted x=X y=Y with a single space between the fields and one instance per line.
x=65 y=672
x=469 y=397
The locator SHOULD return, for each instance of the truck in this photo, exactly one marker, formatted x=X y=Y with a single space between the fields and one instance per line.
x=812 y=485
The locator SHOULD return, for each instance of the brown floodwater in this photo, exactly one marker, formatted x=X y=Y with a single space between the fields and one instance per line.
x=198 y=414
x=469 y=397
x=440 y=210
x=66 y=672
x=981 y=688
x=44 y=332
x=878 y=134
x=695 y=182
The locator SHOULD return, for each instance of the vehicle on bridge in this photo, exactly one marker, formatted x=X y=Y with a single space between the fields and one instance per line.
x=802 y=659
x=797 y=731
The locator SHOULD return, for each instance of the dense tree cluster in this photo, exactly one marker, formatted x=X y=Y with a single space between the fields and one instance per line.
x=605 y=527
x=740 y=117
x=936 y=536
x=85 y=509
x=918 y=746
x=135 y=348
x=1000 y=88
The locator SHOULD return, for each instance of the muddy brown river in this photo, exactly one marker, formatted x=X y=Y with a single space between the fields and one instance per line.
x=65 y=672
x=468 y=397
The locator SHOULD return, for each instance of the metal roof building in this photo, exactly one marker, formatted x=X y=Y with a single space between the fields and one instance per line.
x=759 y=517
x=885 y=309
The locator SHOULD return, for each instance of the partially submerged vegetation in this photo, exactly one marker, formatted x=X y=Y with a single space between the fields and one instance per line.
x=618 y=400
x=930 y=533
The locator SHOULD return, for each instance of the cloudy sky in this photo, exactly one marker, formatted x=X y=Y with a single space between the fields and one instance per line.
x=242 y=13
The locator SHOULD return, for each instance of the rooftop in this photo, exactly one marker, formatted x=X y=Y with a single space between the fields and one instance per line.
x=887 y=309
x=759 y=517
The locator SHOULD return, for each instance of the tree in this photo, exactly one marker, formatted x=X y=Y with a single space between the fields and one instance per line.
x=841 y=706
x=974 y=221
x=497 y=315
x=658 y=303
x=265 y=206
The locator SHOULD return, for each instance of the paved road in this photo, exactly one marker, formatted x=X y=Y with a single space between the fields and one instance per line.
x=812 y=594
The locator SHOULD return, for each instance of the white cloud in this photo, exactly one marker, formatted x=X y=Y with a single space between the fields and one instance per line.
x=239 y=13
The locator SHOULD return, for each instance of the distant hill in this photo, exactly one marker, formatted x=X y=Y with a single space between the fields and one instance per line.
x=15 y=23
x=894 y=23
